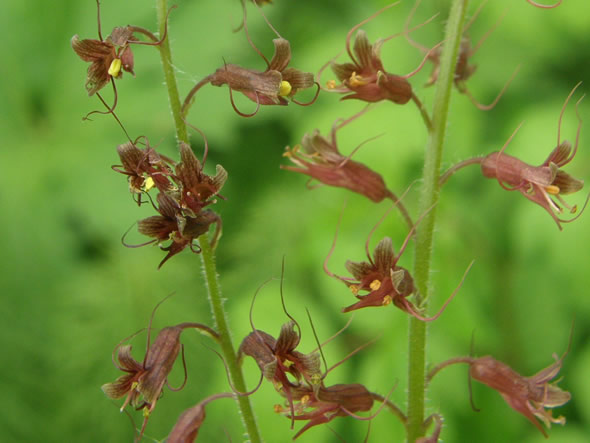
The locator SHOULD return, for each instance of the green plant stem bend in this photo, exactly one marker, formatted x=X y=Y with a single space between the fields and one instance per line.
x=425 y=231
x=207 y=253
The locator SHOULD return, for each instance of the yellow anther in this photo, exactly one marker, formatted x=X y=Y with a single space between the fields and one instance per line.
x=146 y=411
x=288 y=363
x=285 y=88
x=331 y=84
x=115 y=68
x=134 y=385
x=387 y=300
x=375 y=284
x=356 y=80
x=552 y=189
x=354 y=289
x=278 y=409
x=305 y=400
x=149 y=183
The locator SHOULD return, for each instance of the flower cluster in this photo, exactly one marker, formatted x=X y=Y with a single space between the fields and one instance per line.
x=184 y=190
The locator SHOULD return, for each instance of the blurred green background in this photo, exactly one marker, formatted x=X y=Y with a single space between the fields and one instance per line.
x=71 y=291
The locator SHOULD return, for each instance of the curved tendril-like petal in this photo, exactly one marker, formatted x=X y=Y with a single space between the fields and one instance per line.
x=135 y=246
x=248 y=36
x=327 y=259
x=579 y=213
x=483 y=107
x=357 y=26
x=424 y=60
x=538 y=5
x=442 y=308
x=561 y=117
x=98 y=16
x=315 y=97
x=149 y=34
x=185 y=374
x=240 y=113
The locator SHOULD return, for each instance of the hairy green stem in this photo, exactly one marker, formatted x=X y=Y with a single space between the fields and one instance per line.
x=207 y=253
x=425 y=231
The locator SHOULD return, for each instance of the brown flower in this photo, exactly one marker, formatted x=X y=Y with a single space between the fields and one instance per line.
x=143 y=382
x=172 y=225
x=541 y=184
x=530 y=396
x=187 y=427
x=108 y=58
x=271 y=87
x=145 y=168
x=326 y=403
x=321 y=160
x=196 y=188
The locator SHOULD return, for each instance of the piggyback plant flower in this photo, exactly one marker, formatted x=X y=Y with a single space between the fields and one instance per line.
x=111 y=56
x=464 y=69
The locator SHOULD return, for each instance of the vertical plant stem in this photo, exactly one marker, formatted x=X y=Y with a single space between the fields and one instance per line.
x=207 y=253
x=425 y=232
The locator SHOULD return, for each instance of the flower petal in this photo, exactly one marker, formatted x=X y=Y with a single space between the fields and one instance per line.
x=282 y=55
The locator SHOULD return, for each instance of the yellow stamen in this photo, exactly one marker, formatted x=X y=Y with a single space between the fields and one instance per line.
x=331 y=84
x=285 y=88
x=354 y=289
x=375 y=284
x=387 y=300
x=134 y=385
x=288 y=363
x=356 y=80
x=149 y=183
x=115 y=68
x=304 y=400
x=146 y=411
x=552 y=189
x=278 y=409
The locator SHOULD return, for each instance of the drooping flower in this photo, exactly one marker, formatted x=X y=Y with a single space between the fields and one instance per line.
x=322 y=405
x=196 y=188
x=189 y=423
x=173 y=225
x=383 y=279
x=108 y=58
x=365 y=78
x=529 y=396
x=145 y=168
x=321 y=160
x=277 y=357
x=541 y=184
x=143 y=382
x=271 y=87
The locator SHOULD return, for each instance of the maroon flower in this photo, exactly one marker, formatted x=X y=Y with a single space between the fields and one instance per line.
x=271 y=87
x=108 y=58
x=530 y=396
x=277 y=358
x=145 y=168
x=326 y=403
x=143 y=382
x=172 y=225
x=543 y=184
x=187 y=427
x=196 y=188
x=321 y=160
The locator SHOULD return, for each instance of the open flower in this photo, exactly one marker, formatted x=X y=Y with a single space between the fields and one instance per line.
x=383 y=279
x=271 y=87
x=143 y=382
x=172 y=225
x=530 y=396
x=108 y=58
x=541 y=184
x=326 y=403
x=196 y=188
x=277 y=358
x=322 y=161
x=366 y=79
x=145 y=168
